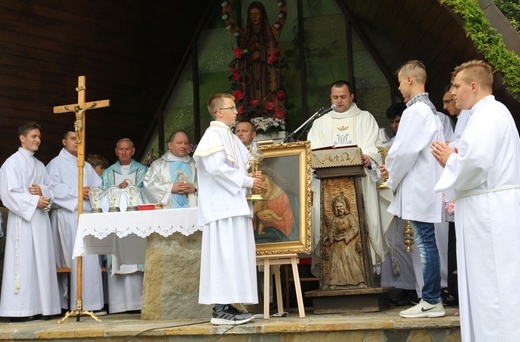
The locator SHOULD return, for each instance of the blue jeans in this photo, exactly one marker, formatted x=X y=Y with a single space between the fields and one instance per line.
x=424 y=235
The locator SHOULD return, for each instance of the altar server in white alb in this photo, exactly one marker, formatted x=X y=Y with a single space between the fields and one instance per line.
x=63 y=171
x=228 y=256
x=29 y=283
x=124 y=282
x=484 y=174
x=171 y=180
x=349 y=125
x=412 y=175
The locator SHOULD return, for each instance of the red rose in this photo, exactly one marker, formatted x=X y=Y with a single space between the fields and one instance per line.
x=269 y=105
x=280 y=94
x=275 y=52
x=236 y=76
x=271 y=60
x=240 y=110
x=254 y=103
x=279 y=113
x=238 y=95
x=238 y=53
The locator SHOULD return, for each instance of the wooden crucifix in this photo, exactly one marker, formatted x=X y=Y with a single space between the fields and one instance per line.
x=80 y=110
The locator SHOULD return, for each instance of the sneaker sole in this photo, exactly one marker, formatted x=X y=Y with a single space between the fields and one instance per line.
x=221 y=321
x=425 y=315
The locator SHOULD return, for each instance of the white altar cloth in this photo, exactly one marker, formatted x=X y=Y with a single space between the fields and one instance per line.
x=123 y=233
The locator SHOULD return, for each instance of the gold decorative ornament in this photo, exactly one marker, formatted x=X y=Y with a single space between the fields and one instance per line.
x=408 y=236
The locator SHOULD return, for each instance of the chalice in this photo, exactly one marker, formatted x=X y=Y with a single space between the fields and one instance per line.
x=114 y=197
x=256 y=158
x=95 y=196
x=383 y=150
x=132 y=194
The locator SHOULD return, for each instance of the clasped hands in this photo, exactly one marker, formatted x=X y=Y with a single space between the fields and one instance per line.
x=442 y=152
x=43 y=202
x=183 y=188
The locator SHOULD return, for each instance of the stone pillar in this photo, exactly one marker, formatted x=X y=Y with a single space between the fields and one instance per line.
x=171 y=278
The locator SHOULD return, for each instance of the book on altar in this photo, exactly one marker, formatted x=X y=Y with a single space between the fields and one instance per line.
x=328 y=147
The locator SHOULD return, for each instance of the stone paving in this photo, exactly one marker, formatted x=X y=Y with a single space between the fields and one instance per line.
x=379 y=326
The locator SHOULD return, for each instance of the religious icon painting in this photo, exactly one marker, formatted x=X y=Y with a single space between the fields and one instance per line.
x=282 y=221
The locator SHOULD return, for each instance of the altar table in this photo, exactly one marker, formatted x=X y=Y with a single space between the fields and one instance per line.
x=122 y=233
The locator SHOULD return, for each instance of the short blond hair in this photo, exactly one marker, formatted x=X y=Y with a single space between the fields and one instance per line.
x=476 y=71
x=413 y=68
x=216 y=101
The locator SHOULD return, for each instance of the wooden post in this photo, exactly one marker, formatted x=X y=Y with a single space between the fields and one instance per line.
x=80 y=110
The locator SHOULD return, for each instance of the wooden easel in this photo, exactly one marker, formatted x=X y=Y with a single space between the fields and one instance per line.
x=80 y=110
x=276 y=260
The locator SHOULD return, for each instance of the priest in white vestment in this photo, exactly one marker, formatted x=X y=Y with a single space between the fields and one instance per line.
x=484 y=174
x=29 y=283
x=124 y=282
x=349 y=125
x=228 y=257
x=171 y=180
x=412 y=176
x=63 y=171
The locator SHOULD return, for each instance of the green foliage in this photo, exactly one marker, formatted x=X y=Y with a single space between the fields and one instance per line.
x=511 y=9
x=489 y=42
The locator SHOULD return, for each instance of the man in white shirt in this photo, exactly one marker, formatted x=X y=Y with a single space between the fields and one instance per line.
x=63 y=171
x=171 y=179
x=413 y=174
x=29 y=283
x=483 y=173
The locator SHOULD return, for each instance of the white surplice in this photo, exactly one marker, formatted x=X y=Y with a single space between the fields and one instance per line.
x=63 y=171
x=29 y=283
x=228 y=255
x=413 y=172
x=485 y=178
x=360 y=128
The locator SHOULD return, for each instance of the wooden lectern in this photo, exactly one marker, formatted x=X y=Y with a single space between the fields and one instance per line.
x=347 y=281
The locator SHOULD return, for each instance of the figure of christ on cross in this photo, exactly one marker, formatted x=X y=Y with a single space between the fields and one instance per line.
x=80 y=110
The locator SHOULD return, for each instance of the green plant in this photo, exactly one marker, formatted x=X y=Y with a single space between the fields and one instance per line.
x=489 y=42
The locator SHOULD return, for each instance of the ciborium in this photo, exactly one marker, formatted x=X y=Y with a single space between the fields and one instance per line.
x=256 y=159
x=114 y=197
x=95 y=195
x=132 y=194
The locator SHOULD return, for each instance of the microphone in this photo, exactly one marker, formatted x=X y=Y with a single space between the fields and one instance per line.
x=323 y=112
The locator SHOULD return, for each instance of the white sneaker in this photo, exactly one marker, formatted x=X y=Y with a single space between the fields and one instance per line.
x=424 y=309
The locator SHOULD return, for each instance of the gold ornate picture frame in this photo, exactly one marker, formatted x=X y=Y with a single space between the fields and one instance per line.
x=282 y=222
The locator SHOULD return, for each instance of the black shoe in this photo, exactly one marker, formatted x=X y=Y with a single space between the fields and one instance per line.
x=448 y=299
x=50 y=317
x=230 y=315
x=402 y=298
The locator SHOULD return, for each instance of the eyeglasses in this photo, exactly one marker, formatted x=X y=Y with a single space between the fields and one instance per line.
x=447 y=101
x=232 y=108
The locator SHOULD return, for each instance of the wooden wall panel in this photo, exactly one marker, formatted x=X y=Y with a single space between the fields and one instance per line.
x=127 y=49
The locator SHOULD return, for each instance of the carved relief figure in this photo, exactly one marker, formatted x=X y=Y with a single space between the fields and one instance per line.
x=343 y=239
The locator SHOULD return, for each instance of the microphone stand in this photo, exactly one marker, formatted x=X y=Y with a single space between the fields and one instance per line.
x=316 y=115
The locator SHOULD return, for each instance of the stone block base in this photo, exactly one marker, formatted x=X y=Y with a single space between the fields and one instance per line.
x=171 y=278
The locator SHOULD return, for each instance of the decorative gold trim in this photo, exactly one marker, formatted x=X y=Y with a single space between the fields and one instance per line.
x=302 y=150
